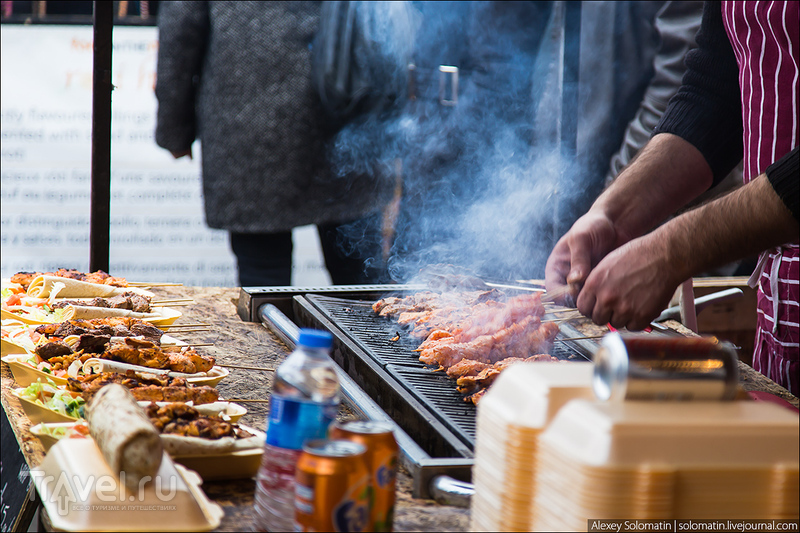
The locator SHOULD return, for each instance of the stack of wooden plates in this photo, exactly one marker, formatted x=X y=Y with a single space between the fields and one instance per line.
x=510 y=418
x=658 y=460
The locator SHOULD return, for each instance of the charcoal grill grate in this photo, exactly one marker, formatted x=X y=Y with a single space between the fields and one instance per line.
x=373 y=334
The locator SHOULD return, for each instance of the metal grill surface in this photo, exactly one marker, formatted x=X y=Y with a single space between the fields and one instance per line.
x=374 y=336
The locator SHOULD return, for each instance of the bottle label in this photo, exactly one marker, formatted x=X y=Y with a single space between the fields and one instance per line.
x=291 y=422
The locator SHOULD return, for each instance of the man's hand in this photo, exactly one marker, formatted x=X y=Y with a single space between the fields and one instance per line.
x=631 y=285
x=577 y=252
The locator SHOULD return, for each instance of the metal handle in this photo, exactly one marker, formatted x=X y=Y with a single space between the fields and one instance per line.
x=701 y=303
x=279 y=324
x=448 y=491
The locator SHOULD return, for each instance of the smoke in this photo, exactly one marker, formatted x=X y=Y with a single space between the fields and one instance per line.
x=483 y=181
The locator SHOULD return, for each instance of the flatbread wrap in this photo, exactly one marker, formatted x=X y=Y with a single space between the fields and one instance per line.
x=98 y=366
x=85 y=311
x=178 y=445
x=125 y=435
x=41 y=287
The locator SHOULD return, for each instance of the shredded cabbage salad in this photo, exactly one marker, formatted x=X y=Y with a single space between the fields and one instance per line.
x=50 y=396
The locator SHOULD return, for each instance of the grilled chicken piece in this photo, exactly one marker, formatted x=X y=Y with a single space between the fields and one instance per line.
x=137 y=352
x=466 y=367
x=475 y=398
x=190 y=362
x=518 y=340
x=487 y=376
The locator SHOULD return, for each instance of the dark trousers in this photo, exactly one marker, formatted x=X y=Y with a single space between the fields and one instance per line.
x=351 y=251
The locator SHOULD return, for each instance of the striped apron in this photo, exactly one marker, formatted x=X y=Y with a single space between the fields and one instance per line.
x=765 y=37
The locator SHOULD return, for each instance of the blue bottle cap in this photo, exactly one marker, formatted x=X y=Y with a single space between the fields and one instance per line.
x=314 y=338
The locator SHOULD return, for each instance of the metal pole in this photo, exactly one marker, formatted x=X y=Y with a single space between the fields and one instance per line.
x=568 y=140
x=103 y=22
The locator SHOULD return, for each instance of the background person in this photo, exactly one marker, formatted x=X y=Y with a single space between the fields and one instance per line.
x=236 y=76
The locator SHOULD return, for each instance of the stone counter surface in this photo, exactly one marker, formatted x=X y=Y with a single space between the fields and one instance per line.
x=240 y=343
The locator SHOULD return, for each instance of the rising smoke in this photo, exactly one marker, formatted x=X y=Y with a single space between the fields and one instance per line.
x=483 y=181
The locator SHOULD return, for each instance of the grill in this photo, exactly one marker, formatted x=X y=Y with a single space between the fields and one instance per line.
x=423 y=403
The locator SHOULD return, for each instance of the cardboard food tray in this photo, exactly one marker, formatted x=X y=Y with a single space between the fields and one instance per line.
x=234 y=465
x=39 y=414
x=24 y=374
x=81 y=493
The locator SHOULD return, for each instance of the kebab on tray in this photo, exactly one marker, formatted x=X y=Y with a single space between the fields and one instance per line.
x=473 y=335
x=67 y=347
x=40 y=298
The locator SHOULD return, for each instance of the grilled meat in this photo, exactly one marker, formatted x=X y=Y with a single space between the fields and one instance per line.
x=144 y=353
x=93 y=343
x=145 y=387
x=128 y=300
x=25 y=278
x=55 y=348
x=112 y=327
x=518 y=340
x=486 y=319
x=466 y=367
x=428 y=301
x=190 y=362
x=137 y=352
x=181 y=419
x=473 y=336
x=468 y=384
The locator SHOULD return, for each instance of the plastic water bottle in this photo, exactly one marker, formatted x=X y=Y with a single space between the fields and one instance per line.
x=304 y=401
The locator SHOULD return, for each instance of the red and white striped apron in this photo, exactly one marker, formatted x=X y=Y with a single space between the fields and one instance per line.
x=765 y=37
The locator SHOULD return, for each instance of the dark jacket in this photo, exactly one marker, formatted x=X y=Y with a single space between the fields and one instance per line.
x=236 y=76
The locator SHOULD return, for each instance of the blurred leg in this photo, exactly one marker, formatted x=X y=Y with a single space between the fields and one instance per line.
x=352 y=251
x=263 y=258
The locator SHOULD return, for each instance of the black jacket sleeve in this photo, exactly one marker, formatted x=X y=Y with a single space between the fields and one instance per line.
x=783 y=176
x=706 y=110
x=183 y=29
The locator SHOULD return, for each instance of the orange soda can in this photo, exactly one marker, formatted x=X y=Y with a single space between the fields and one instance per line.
x=382 y=457
x=332 y=487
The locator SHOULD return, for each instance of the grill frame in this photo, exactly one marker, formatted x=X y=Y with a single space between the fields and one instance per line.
x=429 y=450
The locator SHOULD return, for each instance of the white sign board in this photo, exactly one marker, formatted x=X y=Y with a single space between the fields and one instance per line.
x=158 y=230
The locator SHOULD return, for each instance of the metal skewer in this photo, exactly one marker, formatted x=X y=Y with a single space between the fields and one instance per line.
x=241 y=367
x=155 y=284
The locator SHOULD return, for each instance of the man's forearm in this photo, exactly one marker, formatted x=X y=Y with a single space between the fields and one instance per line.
x=666 y=174
x=743 y=223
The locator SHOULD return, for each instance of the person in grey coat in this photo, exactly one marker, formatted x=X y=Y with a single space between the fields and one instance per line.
x=236 y=76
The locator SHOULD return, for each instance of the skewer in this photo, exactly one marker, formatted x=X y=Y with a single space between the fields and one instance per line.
x=154 y=284
x=191 y=345
x=194 y=325
x=561 y=319
x=580 y=338
x=240 y=367
x=172 y=300
x=172 y=304
x=243 y=400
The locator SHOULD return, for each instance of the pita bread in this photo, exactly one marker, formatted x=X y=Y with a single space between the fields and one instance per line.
x=41 y=286
x=178 y=445
x=88 y=312
x=127 y=439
